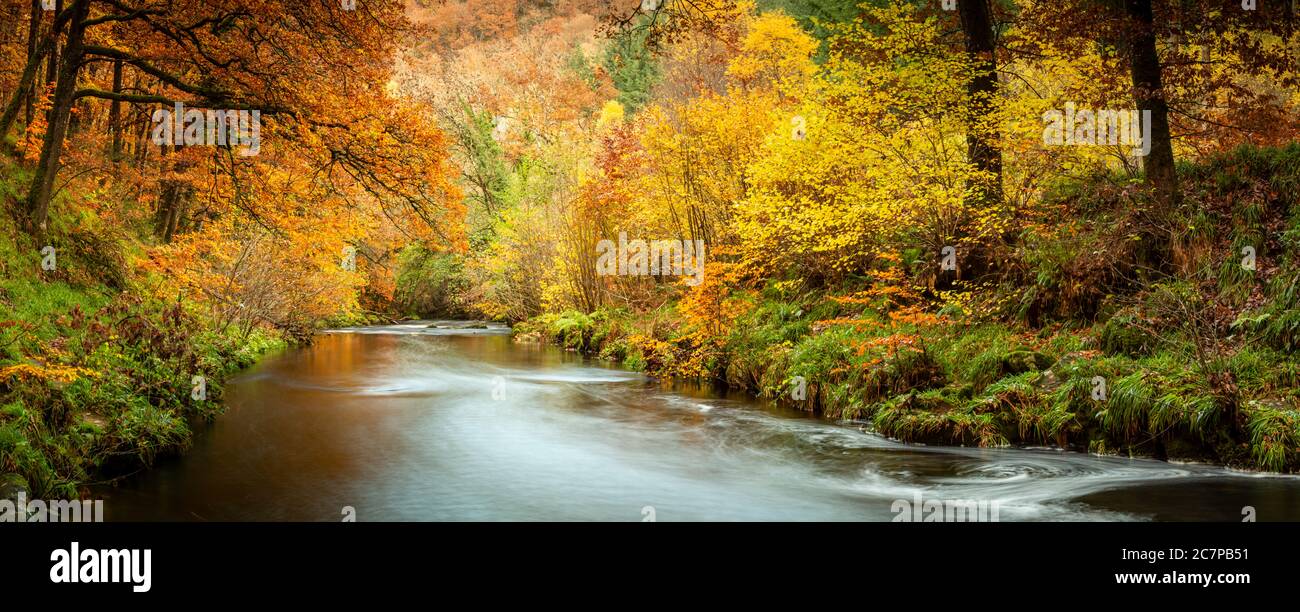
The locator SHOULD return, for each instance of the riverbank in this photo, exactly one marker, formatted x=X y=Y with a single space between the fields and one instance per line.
x=987 y=385
x=1076 y=343
x=99 y=375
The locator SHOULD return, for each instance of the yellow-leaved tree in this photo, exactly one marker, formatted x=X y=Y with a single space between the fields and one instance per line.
x=872 y=161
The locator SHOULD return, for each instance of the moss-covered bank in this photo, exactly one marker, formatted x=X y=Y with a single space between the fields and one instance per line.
x=96 y=380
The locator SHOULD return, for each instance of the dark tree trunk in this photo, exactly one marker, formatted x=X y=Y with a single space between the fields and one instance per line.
x=52 y=68
x=1290 y=18
x=33 y=35
x=177 y=197
x=115 y=113
x=142 y=135
x=173 y=196
x=168 y=205
x=1148 y=91
x=981 y=137
x=180 y=219
x=37 y=49
x=38 y=198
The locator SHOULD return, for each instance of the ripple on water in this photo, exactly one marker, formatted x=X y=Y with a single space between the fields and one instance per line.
x=406 y=425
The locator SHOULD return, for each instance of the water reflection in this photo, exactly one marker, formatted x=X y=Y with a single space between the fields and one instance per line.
x=429 y=422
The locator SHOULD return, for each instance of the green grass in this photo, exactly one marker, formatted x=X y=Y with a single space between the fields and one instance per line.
x=1274 y=436
x=129 y=399
x=992 y=384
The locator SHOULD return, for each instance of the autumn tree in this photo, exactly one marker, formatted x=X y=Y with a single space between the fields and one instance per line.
x=341 y=166
x=982 y=133
x=662 y=22
x=229 y=55
x=1177 y=51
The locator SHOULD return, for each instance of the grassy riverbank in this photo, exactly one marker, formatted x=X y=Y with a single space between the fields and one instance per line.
x=1084 y=343
x=97 y=374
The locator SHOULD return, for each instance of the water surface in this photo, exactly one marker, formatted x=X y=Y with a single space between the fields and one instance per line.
x=417 y=423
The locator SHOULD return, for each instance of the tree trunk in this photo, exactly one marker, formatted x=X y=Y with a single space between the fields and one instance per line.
x=981 y=136
x=1148 y=92
x=38 y=198
x=173 y=195
x=115 y=114
x=36 y=50
x=1290 y=18
x=52 y=68
x=142 y=134
x=33 y=35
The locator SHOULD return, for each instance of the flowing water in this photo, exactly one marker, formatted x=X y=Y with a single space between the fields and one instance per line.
x=420 y=423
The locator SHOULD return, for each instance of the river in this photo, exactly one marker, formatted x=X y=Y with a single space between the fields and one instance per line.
x=416 y=423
